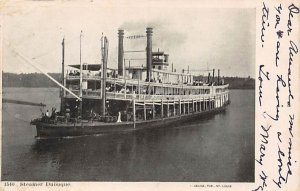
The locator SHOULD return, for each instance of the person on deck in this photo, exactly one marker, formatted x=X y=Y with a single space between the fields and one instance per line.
x=67 y=114
x=53 y=114
x=92 y=115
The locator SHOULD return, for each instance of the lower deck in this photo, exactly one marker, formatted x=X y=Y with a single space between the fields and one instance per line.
x=143 y=110
x=46 y=130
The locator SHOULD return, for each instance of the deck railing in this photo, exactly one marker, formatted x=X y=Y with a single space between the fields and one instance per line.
x=136 y=82
x=129 y=96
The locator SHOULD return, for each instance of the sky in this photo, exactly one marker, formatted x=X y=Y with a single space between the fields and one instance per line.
x=199 y=37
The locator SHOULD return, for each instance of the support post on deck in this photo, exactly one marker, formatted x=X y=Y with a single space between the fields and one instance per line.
x=168 y=109
x=125 y=87
x=139 y=88
x=199 y=105
x=174 y=109
x=145 y=113
x=153 y=110
x=133 y=111
x=208 y=104
x=162 y=109
x=184 y=107
x=193 y=105
x=214 y=103
x=188 y=106
x=115 y=86
x=221 y=100
x=127 y=112
x=179 y=107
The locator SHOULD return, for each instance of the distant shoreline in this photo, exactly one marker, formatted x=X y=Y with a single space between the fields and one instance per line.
x=38 y=80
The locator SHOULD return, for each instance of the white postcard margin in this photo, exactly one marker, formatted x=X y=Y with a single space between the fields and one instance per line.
x=277 y=99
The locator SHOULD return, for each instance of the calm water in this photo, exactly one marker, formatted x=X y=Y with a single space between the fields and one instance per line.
x=217 y=148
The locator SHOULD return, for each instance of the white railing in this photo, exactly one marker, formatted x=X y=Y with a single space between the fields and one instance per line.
x=136 y=82
x=129 y=96
x=112 y=95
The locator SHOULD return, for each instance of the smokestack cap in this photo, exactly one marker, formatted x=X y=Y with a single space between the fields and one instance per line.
x=121 y=32
x=149 y=30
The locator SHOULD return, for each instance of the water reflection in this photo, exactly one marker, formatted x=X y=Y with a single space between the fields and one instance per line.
x=128 y=156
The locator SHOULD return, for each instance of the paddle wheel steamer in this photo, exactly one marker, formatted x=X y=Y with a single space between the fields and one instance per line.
x=97 y=99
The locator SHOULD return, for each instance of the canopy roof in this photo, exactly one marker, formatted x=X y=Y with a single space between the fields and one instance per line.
x=92 y=67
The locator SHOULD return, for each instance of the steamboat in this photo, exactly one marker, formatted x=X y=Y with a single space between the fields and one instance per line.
x=96 y=99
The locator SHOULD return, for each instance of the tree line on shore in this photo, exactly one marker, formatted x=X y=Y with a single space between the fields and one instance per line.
x=39 y=80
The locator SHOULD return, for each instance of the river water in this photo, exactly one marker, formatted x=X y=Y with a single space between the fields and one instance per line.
x=219 y=148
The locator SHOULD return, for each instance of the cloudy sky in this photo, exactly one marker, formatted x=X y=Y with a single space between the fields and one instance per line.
x=201 y=37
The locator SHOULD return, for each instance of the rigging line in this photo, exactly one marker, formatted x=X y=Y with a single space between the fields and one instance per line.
x=37 y=68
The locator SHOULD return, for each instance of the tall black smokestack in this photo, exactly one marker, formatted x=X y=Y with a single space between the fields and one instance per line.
x=149 y=53
x=208 y=78
x=120 y=52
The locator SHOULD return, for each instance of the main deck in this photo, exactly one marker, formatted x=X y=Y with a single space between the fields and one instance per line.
x=83 y=128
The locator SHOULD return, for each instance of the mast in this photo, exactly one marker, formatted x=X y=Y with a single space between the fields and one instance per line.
x=80 y=79
x=104 y=50
x=62 y=103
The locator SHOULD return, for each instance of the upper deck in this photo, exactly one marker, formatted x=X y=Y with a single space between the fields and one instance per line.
x=149 y=80
x=127 y=88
